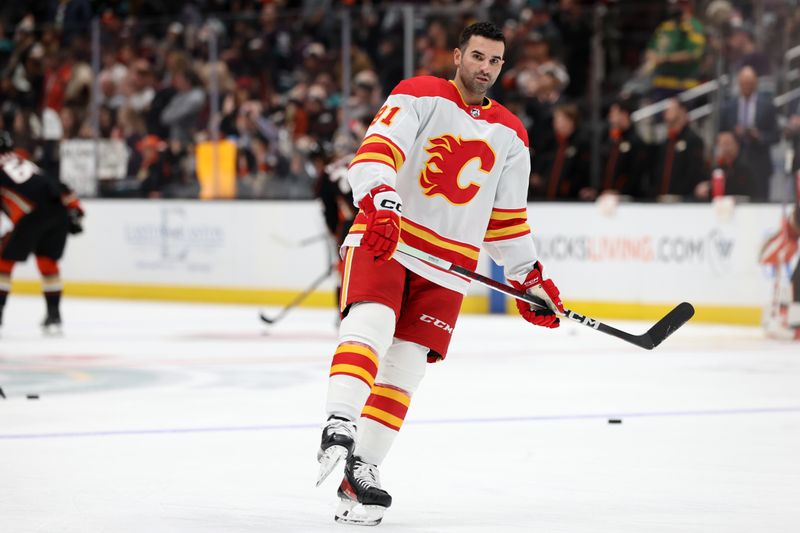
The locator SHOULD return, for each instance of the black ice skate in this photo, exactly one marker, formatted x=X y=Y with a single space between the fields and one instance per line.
x=338 y=440
x=363 y=501
x=52 y=325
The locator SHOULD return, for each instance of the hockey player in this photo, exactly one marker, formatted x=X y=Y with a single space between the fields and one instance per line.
x=43 y=211
x=445 y=170
x=783 y=320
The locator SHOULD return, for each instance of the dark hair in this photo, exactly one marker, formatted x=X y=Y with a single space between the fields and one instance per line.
x=481 y=29
x=627 y=104
x=570 y=110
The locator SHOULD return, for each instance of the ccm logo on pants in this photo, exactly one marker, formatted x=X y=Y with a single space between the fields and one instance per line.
x=436 y=322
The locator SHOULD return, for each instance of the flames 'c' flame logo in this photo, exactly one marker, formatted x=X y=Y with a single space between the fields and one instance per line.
x=449 y=157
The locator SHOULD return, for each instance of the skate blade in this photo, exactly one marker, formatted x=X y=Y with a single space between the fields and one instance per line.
x=52 y=331
x=354 y=513
x=328 y=461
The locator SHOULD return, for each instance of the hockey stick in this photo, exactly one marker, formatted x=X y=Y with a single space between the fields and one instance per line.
x=649 y=340
x=297 y=299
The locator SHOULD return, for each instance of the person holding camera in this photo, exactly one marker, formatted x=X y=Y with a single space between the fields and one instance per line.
x=43 y=211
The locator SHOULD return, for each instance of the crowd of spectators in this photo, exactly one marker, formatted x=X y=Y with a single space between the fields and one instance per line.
x=279 y=87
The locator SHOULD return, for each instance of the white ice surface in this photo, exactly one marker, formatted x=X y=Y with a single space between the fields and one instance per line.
x=158 y=417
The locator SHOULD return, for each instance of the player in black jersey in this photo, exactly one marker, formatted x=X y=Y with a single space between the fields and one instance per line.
x=44 y=211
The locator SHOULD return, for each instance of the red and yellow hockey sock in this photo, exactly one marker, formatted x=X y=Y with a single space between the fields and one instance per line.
x=380 y=423
x=352 y=376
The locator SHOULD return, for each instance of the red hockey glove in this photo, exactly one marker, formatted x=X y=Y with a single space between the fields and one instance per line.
x=545 y=289
x=383 y=209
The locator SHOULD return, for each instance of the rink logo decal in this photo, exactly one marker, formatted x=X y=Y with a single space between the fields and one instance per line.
x=436 y=322
x=452 y=161
x=173 y=240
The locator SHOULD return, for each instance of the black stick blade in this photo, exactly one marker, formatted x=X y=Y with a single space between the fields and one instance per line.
x=669 y=324
x=266 y=319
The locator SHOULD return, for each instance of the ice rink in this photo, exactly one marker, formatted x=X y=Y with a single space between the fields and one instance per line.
x=162 y=417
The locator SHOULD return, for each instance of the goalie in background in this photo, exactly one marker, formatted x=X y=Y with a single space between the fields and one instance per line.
x=780 y=250
x=43 y=212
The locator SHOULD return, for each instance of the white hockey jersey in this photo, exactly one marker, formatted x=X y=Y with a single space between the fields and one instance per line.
x=462 y=172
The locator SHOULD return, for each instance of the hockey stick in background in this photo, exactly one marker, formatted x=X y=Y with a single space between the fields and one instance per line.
x=649 y=340
x=331 y=246
x=297 y=299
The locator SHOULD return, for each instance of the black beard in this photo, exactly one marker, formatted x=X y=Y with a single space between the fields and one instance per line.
x=474 y=88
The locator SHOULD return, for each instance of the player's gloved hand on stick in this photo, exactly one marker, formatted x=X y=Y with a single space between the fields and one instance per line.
x=383 y=208
x=75 y=221
x=74 y=212
x=545 y=289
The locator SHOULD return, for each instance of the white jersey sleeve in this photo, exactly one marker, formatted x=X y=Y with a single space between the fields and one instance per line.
x=508 y=238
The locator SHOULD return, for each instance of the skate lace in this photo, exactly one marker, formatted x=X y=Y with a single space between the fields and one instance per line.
x=366 y=474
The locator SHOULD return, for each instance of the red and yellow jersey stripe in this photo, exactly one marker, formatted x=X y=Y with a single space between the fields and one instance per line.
x=379 y=149
x=507 y=224
x=387 y=405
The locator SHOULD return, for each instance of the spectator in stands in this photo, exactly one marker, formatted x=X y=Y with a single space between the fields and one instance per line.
x=744 y=52
x=625 y=156
x=71 y=17
x=574 y=23
x=366 y=96
x=130 y=125
x=679 y=160
x=390 y=61
x=438 y=57
x=70 y=122
x=58 y=76
x=17 y=75
x=536 y=18
x=539 y=109
x=535 y=59
x=321 y=119
x=675 y=51
x=295 y=181
x=109 y=93
x=184 y=108
x=739 y=178
x=561 y=171
x=151 y=166
x=752 y=117
x=138 y=87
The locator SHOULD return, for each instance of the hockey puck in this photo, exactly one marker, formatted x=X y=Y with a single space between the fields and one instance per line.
x=32 y=396
x=614 y=421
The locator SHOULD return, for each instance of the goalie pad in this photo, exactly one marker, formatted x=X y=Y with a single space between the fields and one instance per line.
x=781 y=247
